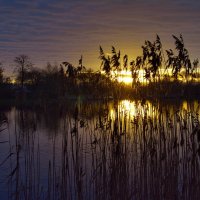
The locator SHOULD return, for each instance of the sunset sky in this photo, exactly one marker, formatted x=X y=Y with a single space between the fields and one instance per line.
x=58 y=30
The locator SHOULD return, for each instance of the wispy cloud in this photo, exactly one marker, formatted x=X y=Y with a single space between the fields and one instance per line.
x=53 y=30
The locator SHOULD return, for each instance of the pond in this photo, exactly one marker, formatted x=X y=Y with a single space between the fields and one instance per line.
x=101 y=150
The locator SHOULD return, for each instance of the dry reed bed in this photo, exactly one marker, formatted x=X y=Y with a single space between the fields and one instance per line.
x=147 y=152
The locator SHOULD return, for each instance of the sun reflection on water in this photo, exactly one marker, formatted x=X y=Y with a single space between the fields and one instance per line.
x=130 y=109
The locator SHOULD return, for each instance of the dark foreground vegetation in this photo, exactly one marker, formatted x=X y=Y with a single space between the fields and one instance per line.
x=170 y=75
x=147 y=150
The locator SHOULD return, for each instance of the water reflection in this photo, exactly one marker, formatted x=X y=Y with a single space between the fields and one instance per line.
x=112 y=150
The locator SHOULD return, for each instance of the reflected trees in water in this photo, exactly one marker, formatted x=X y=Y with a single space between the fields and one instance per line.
x=116 y=150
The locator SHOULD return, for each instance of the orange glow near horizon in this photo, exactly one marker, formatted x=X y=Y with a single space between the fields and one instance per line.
x=126 y=76
x=13 y=81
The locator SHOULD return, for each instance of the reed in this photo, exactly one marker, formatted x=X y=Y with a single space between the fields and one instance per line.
x=112 y=150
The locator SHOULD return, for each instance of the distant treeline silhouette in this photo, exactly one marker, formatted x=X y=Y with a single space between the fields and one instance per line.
x=161 y=70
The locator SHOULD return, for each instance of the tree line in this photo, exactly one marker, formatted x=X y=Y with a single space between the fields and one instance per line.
x=53 y=80
x=59 y=80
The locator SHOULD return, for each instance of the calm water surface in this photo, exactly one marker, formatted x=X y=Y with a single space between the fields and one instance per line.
x=94 y=150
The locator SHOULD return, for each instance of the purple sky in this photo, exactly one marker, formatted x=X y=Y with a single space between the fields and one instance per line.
x=58 y=30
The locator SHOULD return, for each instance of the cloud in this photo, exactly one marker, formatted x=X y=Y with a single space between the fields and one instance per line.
x=52 y=30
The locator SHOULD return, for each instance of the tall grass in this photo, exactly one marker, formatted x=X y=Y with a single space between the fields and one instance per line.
x=111 y=150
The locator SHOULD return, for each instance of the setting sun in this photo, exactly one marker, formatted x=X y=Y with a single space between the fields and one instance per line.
x=124 y=76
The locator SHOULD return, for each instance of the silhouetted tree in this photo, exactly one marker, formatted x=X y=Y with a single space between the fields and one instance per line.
x=80 y=67
x=115 y=59
x=34 y=76
x=180 y=61
x=71 y=76
x=173 y=62
x=71 y=71
x=195 y=66
x=22 y=65
x=105 y=62
x=152 y=57
x=53 y=81
x=158 y=57
x=106 y=65
x=125 y=62
x=135 y=67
